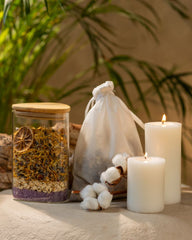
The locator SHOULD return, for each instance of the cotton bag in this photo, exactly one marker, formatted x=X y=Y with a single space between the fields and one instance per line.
x=108 y=128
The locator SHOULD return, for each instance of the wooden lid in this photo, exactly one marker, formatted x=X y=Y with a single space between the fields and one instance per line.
x=44 y=107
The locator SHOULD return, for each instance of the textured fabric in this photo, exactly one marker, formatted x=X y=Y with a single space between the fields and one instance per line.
x=42 y=221
x=108 y=129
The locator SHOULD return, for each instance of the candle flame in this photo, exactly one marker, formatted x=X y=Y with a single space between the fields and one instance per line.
x=164 y=118
x=146 y=155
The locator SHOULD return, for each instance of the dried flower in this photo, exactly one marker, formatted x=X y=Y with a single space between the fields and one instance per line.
x=40 y=154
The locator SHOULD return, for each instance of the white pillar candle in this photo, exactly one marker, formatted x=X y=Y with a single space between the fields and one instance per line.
x=164 y=139
x=145 y=182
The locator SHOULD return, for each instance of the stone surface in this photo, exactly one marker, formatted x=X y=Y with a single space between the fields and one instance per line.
x=40 y=221
x=5 y=161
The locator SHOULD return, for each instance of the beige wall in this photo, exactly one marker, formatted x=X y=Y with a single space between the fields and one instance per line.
x=175 y=48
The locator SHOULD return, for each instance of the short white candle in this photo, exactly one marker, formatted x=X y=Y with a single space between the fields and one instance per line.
x=145 y=182
x=164 y=139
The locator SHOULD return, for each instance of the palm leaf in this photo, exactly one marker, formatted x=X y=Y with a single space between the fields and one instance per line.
x=150 y=8
x=173 y=96
x=27 y=6
x=138 y=88
x=180 y=8
x=117 y=79
x=134 y=17
x=7 y=5
x=71 y=91
x=46 y=5
x=155 y=83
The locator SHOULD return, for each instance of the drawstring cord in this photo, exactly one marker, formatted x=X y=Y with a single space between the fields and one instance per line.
x=136 y=119
x=89 y=105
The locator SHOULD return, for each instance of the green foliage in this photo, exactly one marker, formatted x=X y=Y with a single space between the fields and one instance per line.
x=37 y=38
x=32 y=27
x=23 y=40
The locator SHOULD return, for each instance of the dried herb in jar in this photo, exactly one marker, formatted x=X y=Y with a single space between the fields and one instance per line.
x=40 y=159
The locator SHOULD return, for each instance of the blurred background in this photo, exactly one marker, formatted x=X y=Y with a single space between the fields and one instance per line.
x=173 y=49
x=60 y=50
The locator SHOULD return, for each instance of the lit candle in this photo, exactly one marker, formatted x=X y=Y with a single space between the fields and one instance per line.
x=164 y=139
x=145 y=183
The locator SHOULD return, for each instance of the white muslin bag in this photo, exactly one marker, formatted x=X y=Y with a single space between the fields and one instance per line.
x=108 y=128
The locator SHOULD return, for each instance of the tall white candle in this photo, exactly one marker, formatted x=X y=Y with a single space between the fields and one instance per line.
x=164 y=139
x=145 y=193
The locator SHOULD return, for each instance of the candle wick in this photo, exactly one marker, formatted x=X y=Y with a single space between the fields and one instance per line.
x=163 y=119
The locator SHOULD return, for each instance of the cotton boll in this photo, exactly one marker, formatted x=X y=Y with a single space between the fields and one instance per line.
x=120 y=161
x=105 y=199
x=87 y=192
x=99 y=187
x=126 y=156
x=90 y=203
x=112 y=175
x=103 y=177
x=117 y=156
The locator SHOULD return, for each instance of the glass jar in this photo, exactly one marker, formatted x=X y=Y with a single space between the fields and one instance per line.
x=41 y=152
